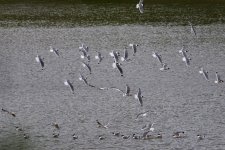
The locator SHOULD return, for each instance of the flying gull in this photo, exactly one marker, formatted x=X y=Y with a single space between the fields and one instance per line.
x=117 y=65
x=85 y=55
x=218 y=80
x=85 y=65
x=134 y=47
x=99 y=57
x=126 y=93
x=83 y=48
x=204 y=73
x=54 y=50
x=156 y=55
x=68 y=83
x=100 y=125
x=82 y=78
x=115 y=56
x=185 y=58
x=125 y=57
x=148 y=127
x=140 y=6
x=192 y=28
x=40 y=60
x=164 y=67
x=139 y=97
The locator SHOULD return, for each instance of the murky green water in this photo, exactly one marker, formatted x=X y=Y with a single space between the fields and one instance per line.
x=89 y=13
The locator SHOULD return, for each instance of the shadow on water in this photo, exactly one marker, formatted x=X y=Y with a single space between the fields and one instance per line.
x=70 y=13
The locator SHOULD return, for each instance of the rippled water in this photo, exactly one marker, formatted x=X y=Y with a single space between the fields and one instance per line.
x=179 y=99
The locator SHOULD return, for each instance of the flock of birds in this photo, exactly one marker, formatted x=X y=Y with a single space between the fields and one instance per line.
x=117 y=60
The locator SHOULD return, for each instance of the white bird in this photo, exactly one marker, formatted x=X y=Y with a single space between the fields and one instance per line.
x=156 y=55
x=125 y=57
x=185 y=58
x=148 y=127
x=83 y=47
x=115 y=56
x=204 y=73
x=53 y=50
x=85 y=55
x=100 y=125
x=143 y=114
x=192 y=28
x=164 y=67
x=99 y=57
x=218 y=80
x=68 y=83
x=117 y=65
x=85 y=65
x=82 y=78
x=139 y=97
x=126 y=93
x=140 y=6
x=134 y=47
x=40 y=60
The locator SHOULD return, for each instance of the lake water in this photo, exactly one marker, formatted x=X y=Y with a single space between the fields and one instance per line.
x=178 y=99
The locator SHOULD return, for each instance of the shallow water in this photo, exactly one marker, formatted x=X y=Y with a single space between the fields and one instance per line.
x=179 y=99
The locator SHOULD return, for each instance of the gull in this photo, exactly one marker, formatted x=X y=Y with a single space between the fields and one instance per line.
x=75 y=136
x=99 y=57
x=103 y=88
x=11 y=113
x=139 y=96
x=85 y=55
x=185 y=58
x=140 y=6
x=84 y=48
x=117 y=65
x=40 y=60
x=100 y=125
x=134 y=47
x=192 y=28
x=156 y=55
x=125 y=58
x=56 y=125
x=68 y=83
x=136 y=137
x=127 y=93
x=218 y=80
x=143 y=114
x=115 y=55
x=53 y=50
x=204 y=73
x=178 y=134
x=116 y=133
x=200 y=137
x=148 y=127
x=164 y=67
x=125 y=136
x=86 y=65
x=82 y=78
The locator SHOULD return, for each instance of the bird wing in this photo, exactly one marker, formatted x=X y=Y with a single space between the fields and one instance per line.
x=120 y=69
x=127 y=89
